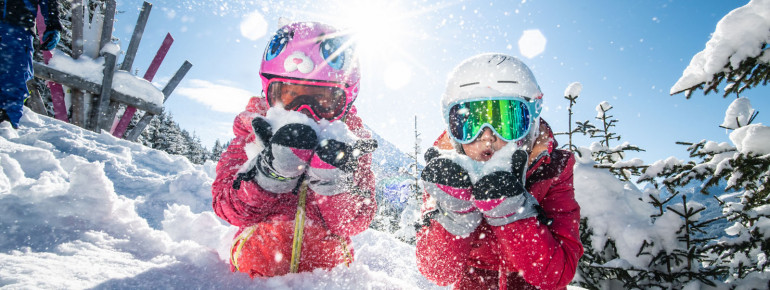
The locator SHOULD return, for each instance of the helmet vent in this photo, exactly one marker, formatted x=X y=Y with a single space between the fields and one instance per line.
x=507 y=82
x=469 y=84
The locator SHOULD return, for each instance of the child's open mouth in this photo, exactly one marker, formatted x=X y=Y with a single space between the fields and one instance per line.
x=487 y=154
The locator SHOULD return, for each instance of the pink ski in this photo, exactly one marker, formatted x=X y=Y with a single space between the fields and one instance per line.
x=57 y=92
x=149 y=75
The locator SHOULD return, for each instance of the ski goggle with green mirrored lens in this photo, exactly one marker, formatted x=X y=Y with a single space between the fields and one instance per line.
x=510 y=118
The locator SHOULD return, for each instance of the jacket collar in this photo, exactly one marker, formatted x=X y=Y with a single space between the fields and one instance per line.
x=542 y=148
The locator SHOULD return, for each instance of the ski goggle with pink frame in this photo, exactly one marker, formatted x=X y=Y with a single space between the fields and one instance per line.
x=320 y=100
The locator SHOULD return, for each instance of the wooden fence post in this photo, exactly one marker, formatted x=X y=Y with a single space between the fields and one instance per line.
x=104 y=39
x=77 y=104
x=102 y=113
x=109 y=18
x=128 y=60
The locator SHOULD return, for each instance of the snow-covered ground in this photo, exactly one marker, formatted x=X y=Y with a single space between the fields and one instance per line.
x=86 y=210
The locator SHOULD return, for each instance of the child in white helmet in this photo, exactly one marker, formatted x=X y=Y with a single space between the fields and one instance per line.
x=499 y=199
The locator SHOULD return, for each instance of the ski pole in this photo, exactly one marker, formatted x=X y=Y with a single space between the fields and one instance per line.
x=299 y=228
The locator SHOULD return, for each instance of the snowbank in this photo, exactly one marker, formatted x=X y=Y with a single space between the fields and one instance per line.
x=86 y=210
x=619 y=211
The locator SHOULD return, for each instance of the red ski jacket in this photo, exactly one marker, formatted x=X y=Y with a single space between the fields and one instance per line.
x=523 y=254
x=339 y=216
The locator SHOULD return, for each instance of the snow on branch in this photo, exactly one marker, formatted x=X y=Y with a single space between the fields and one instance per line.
x=735 y=52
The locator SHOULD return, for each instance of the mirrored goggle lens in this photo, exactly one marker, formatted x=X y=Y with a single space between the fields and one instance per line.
x=510 y=119
x=327 y=102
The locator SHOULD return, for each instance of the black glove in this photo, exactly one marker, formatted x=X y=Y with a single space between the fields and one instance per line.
x=501 y=195
x=449 y=184
x=332 y=166
x=284 y=158
x=344 y=156
x=508 y=183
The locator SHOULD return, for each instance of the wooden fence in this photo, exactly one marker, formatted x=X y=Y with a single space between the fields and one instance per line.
x=106 y=101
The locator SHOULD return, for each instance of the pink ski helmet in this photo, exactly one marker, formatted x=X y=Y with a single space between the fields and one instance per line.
x=312 y=53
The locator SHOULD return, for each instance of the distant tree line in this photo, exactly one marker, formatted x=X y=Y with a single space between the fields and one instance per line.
x=164 y=134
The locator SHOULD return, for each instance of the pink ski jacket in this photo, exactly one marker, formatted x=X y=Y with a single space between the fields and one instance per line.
x=339 y=216
x=521 y=255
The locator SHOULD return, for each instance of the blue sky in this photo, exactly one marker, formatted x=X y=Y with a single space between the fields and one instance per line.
x=628 y=53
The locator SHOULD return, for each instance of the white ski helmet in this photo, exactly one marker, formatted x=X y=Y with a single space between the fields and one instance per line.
x=492 y=75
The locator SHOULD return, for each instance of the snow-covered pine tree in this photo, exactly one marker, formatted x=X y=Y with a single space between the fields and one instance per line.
x=737 y=55
x=216 y=151
x=741 y=257
x=196 y=153
x=163 y=133
x=571 y=93
x=612 y=157
x=685 y=259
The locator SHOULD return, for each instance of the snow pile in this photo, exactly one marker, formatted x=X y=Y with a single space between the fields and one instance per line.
x=739 y=113
x=602 y=108
x=91 y=69
x=738 y=36
x=82 y=210
x=131 y=85
x=573 y=90
x=614 y=210
x=753 y=138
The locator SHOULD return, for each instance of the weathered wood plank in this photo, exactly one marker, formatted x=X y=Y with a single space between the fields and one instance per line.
x=128 y=61
x=35 y=101
x=77 y=108
x=143 y=122
x=77 y=28
x=45 y=72
x=106 y=91
x=77 y=104
x=109 y=19
x=128 y=114
x=176 y=79
x=48 y=73
x=167 y=90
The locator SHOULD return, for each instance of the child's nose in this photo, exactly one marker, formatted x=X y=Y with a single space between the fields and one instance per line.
x=488 y=135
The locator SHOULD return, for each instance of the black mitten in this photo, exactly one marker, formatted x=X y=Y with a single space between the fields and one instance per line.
x=500 y=193
x=332 y=166
x=285 y=156
x=449 y=184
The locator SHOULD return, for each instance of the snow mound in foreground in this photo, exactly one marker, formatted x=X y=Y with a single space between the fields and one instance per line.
x=86 y=210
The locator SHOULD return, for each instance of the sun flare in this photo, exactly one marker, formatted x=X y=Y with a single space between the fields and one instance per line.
x=376 y=27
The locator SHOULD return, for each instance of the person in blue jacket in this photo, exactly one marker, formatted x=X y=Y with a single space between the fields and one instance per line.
x=17 y=33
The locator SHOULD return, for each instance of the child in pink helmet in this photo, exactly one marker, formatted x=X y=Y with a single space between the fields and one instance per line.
x=499 y=204
x=300 y=153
